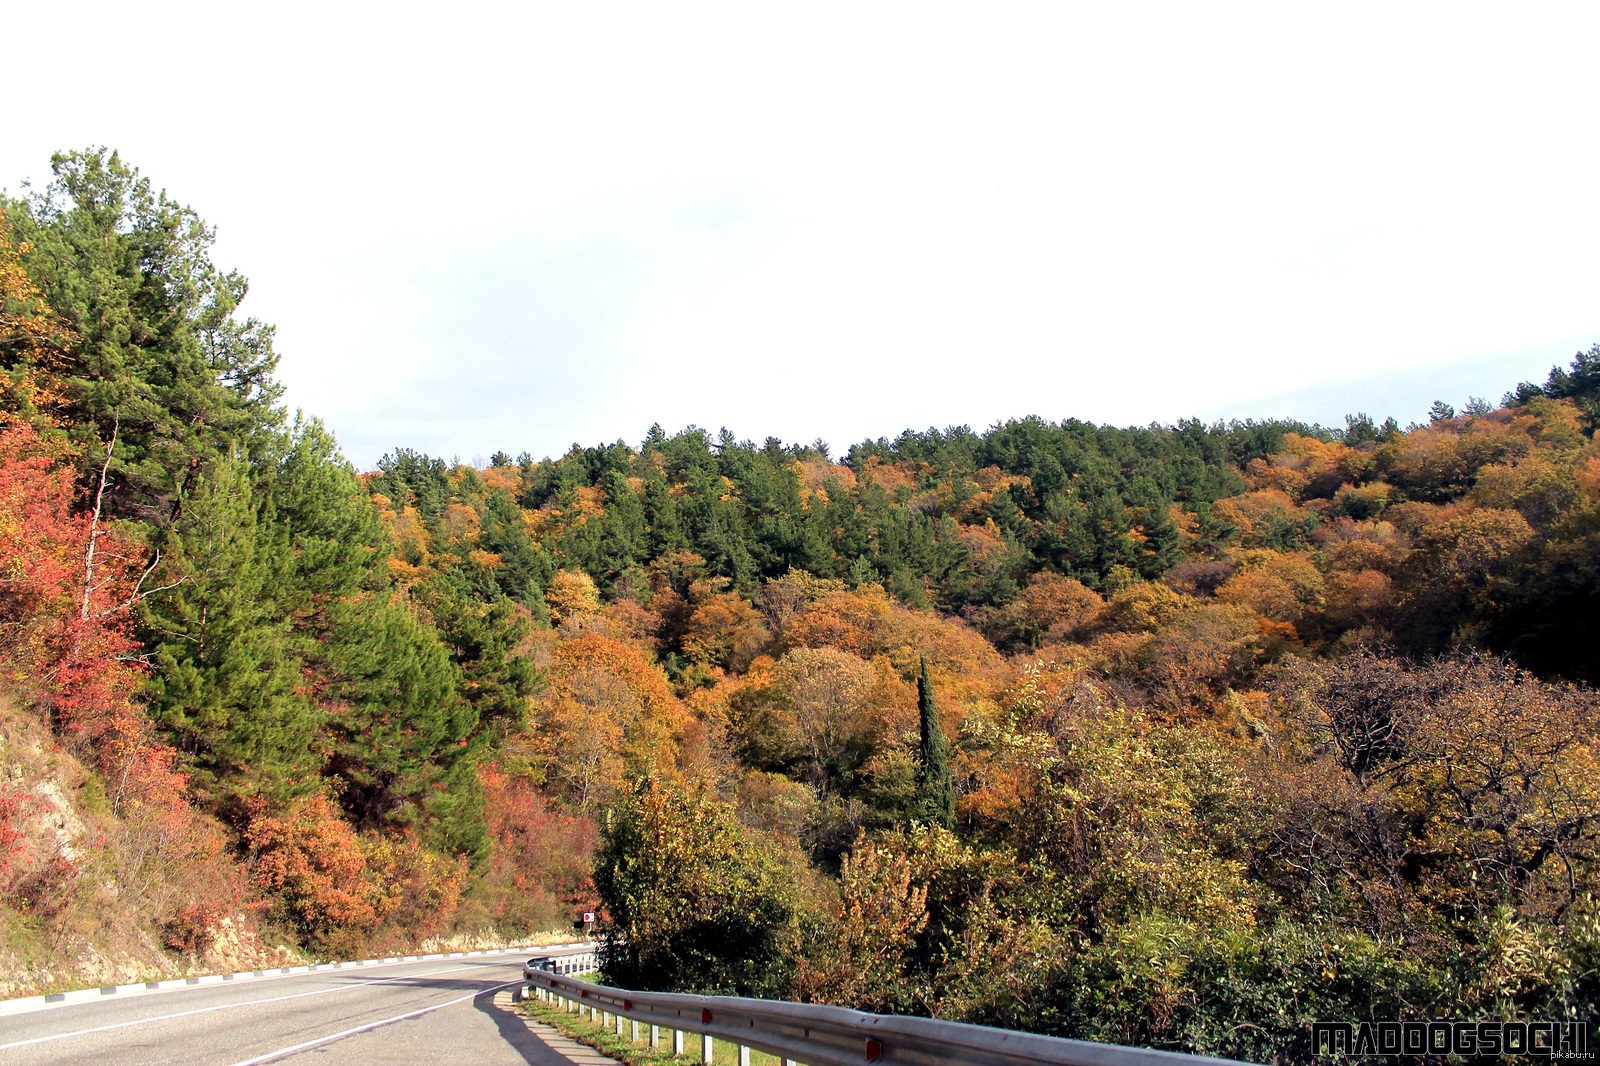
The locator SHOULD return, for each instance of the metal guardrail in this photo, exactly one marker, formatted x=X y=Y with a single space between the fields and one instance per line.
x=568 y=962
x=818 y=1035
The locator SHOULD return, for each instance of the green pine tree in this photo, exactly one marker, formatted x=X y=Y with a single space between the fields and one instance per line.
x=624 y=538
x=162 y=362
x=396 y=718
x=226 y=681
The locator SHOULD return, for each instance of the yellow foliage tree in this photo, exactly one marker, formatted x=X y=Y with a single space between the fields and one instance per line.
x=571 y=595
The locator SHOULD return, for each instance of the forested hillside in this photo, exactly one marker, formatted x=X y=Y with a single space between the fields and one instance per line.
x=1180 y=735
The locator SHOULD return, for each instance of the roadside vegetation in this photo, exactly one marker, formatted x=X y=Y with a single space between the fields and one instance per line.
x=1176 y=735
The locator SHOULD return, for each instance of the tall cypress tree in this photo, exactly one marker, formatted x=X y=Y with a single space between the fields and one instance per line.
x=936 y=790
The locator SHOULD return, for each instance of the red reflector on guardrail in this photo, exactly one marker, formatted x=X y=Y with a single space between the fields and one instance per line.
x=705 y=1017
x=583 y=995
x=627 y=1004
x=874 y=1050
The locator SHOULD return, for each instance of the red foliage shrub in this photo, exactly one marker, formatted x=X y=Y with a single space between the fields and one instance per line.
x=193 y=929
x=309 y=859
x=64 y=625
x=541 y=861
x=13 y=840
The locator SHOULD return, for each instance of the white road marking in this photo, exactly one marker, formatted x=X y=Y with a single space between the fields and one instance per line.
x=229 y=1006
x=331 y=1037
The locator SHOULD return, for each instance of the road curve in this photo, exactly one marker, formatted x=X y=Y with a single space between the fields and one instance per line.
x=426 y=1011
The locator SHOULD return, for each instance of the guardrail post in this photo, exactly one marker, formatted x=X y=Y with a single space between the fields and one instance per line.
x=634 y=1036
x=655 y=1036
x=619 y=1026
x=605 y=1019
x=677 y=1041
x=708 y=1051
x=744 y=1055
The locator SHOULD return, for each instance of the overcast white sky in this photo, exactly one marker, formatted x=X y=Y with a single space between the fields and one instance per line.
x=486 y=226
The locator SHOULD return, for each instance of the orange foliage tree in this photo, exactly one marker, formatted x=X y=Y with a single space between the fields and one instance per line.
x=607 y=708
x=724 y=631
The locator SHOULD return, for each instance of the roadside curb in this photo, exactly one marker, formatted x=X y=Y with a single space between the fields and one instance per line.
x=27 y=1004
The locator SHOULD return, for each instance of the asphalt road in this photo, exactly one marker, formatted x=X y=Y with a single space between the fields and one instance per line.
x=432 y=1011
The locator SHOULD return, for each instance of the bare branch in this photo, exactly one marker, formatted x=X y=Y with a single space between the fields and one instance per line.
x=95 y=532
x=140 y=592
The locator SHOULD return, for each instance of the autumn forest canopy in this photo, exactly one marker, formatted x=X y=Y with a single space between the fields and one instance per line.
x=1179 y=735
